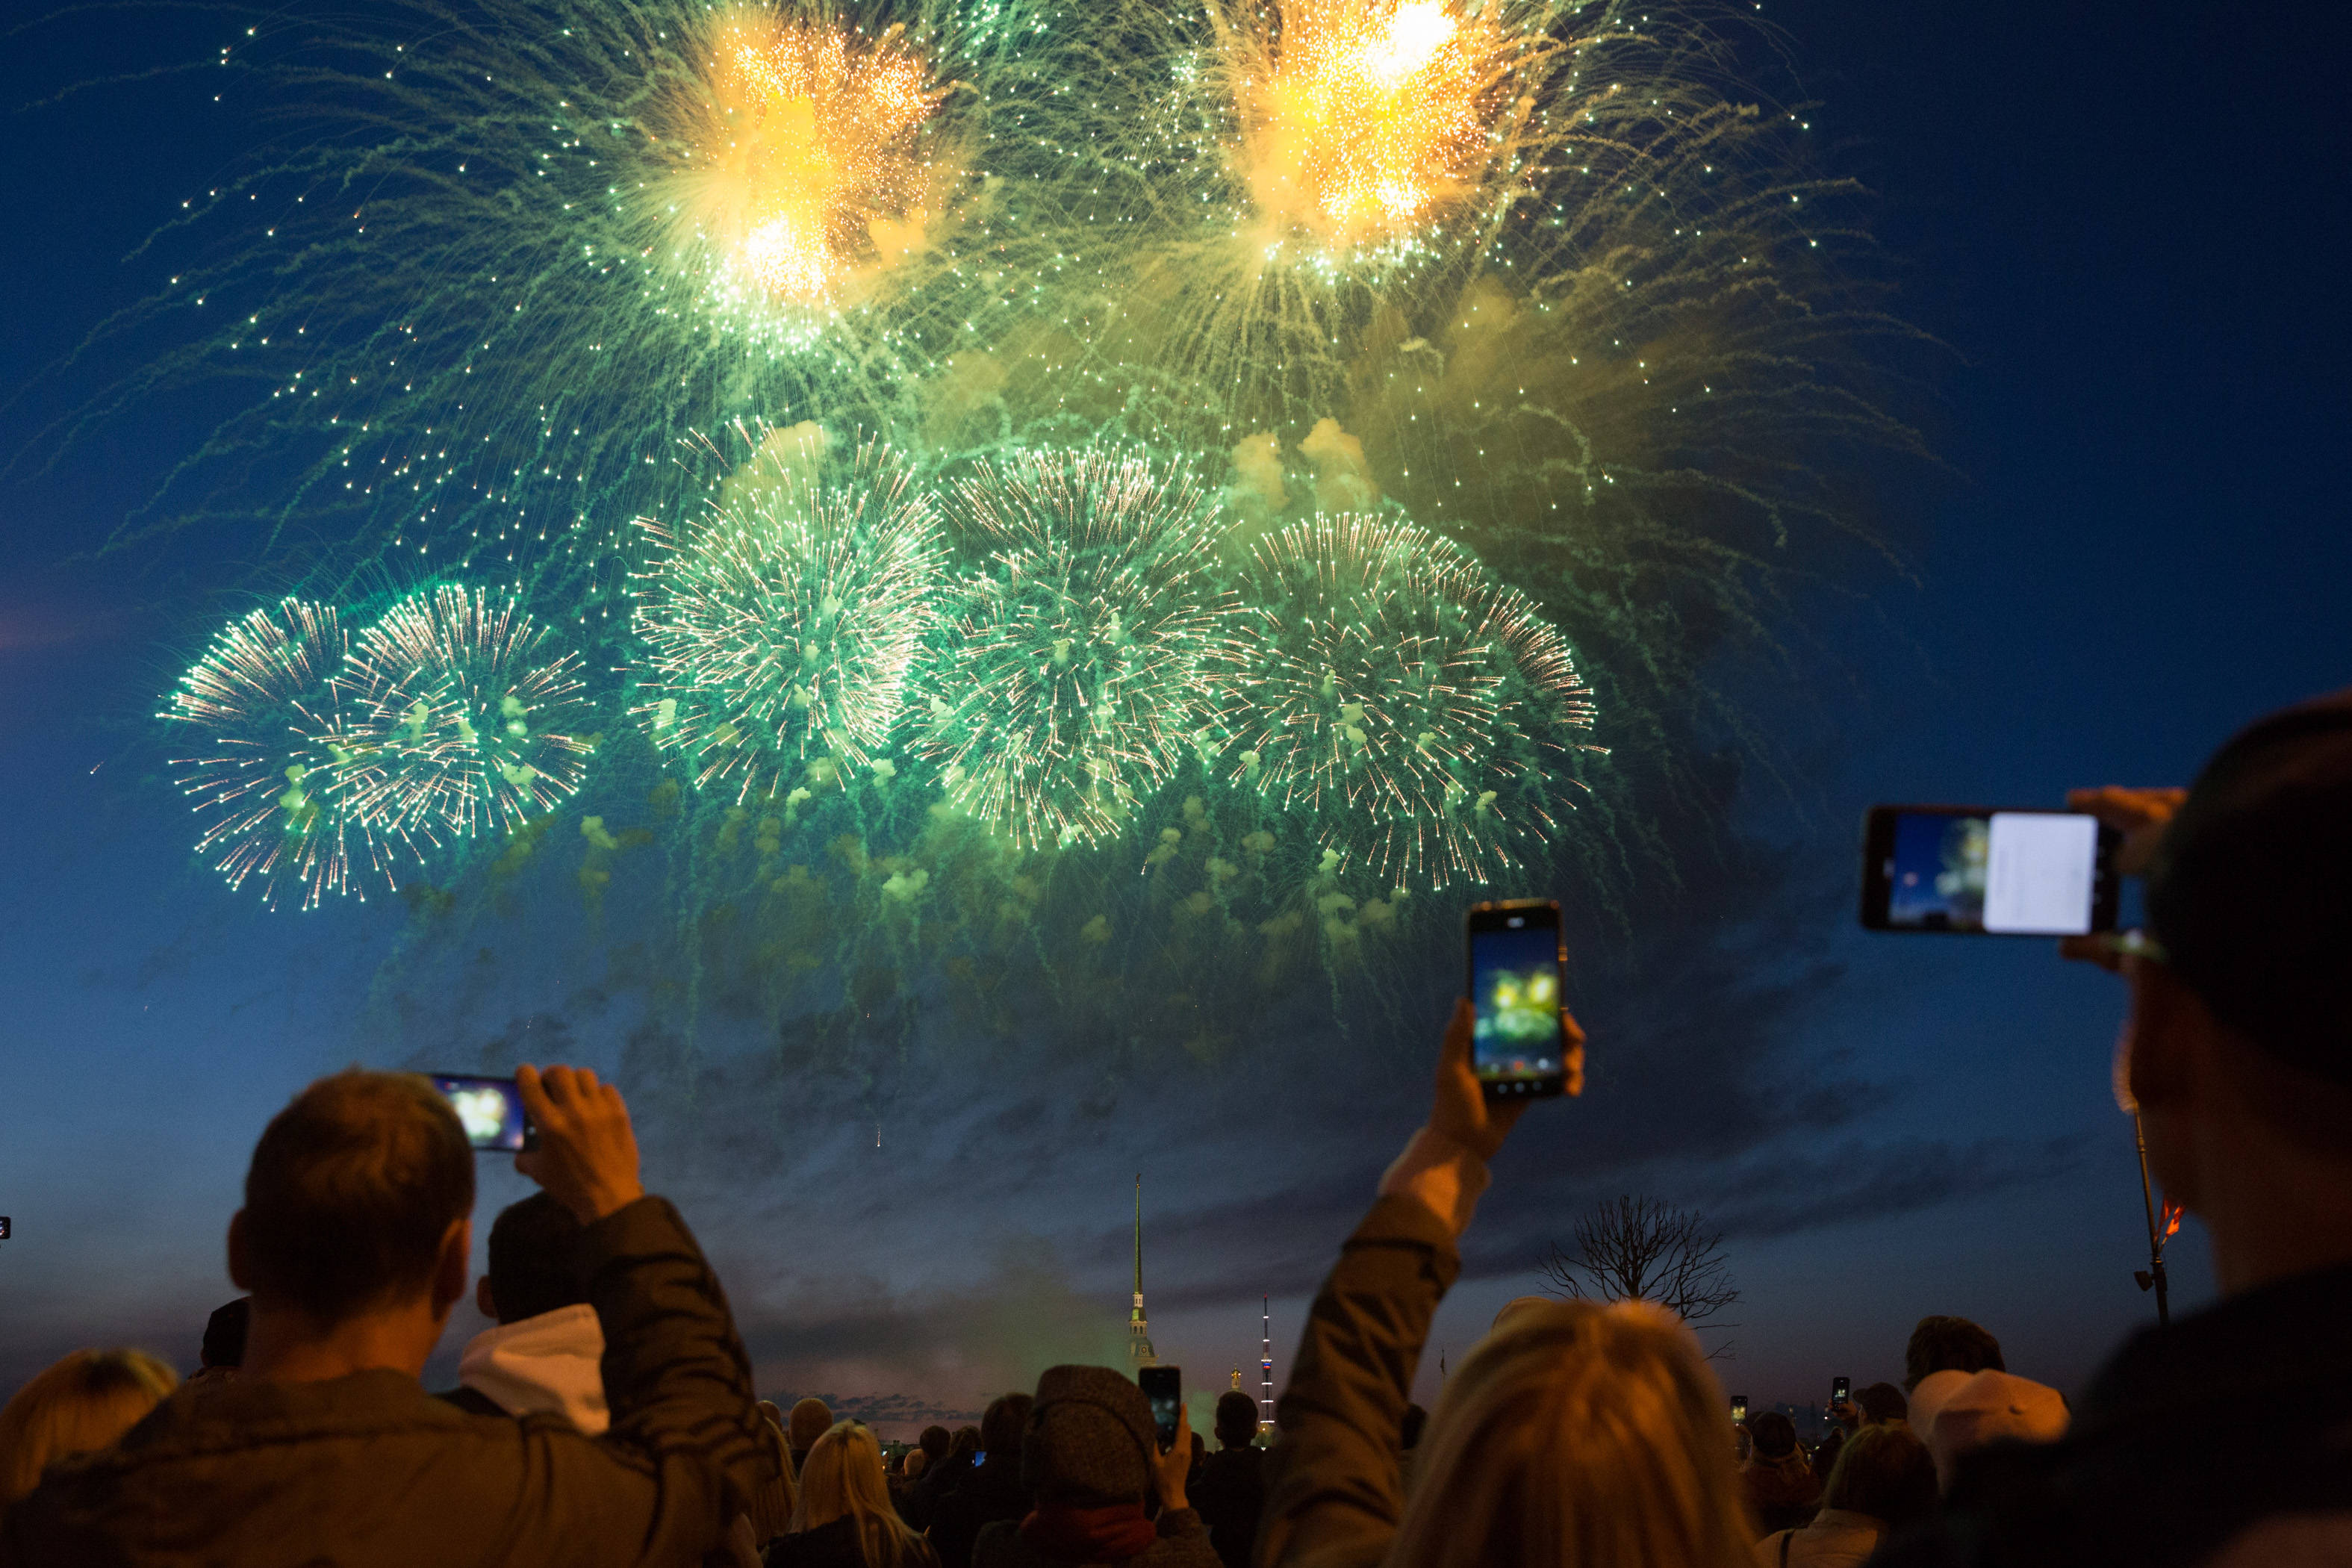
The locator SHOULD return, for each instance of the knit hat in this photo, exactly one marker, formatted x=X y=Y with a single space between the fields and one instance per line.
x=1090 y=1437
x=1987 y=1408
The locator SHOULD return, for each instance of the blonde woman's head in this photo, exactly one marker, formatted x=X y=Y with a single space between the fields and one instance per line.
x=84 y=1403
x=1578 y=1434
x=843 y=1477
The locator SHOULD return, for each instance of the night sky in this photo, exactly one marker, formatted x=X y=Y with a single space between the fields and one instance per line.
x=2124 y=225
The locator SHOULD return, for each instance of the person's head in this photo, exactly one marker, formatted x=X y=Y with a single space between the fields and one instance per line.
x=1775 y=1435
x=774 y=1500
x=913 y=1463
x=1949 y=1344
x=1988 y=1407
x=1578 y=1434
x=84 y=1403
x=1887 y=1473
x=1881 y=1403
x=224 y=1346
x=933 y=1442
x=534 y=1261
x=1091 y=1441
x=964 y=1445
x=1001 y=1425
x=811 y=1418
x=356 y=1204
x=2239 y=1048
x=844 y=1479
x=1236 y=1419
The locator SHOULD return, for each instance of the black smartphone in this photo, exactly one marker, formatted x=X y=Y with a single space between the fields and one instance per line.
x=1164 y=1387
x=1840 y=1390
x=1516 y=965
x=1985 y=871
x=3 y=1228
x=490 y=1108
x=1738 y=1408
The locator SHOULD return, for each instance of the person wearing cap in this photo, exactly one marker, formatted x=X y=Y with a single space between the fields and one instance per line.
x=2221 y=1440
x=1090 y=1457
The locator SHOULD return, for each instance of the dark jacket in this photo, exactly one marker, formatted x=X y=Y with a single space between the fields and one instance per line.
x=1184 y=1543
x=1334 y=1481
x=370 y=1469
x=833 y=1545
x=1230 y=1493
x=988 y=1493
x=2242 y=1413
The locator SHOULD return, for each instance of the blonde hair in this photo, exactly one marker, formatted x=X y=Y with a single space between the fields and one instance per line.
x=84 y=1403
x=1578 y=1433
x=843 y=1476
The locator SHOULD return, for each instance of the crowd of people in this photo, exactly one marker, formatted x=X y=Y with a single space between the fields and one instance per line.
x=609 y=1416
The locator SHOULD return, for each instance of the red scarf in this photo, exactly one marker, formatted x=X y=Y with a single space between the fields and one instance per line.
x=1071 y=1535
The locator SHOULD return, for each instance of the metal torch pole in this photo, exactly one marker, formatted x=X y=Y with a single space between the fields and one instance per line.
x=2154 y=1275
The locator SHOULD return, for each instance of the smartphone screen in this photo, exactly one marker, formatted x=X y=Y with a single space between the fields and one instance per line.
x=1164 y=1387
x=490 y=1108
x=1515 y=961
x=1989 y=872
x=1738 y=1408
x=1841 y=1389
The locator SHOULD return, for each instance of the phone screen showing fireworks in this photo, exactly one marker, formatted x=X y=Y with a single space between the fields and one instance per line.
x=1979 y=871
x=1164 y=1387
x=1516 y=1047
x=490 y=1109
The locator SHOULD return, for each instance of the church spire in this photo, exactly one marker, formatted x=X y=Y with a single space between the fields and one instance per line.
x=1139 y=1328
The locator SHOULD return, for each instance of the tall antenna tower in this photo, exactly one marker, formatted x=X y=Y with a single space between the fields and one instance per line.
x=1139 y=1328
x=1265 y=1365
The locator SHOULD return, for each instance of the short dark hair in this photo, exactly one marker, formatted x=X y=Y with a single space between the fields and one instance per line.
x=535 y=1259
x=1236 y=1418
x=1003 y=1423
x=2247 y=892
x=1887 y=1473
x=225 y=1334
x=933 y=1442
x=1775 y=1435
x=351 y=1188
x=1882 y=1401
x=1949 y=1344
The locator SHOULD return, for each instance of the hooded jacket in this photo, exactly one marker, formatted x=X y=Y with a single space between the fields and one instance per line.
x=370 y=1471
x=551 y=1364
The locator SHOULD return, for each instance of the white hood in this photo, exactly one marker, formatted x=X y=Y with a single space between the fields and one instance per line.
x=553 y=1363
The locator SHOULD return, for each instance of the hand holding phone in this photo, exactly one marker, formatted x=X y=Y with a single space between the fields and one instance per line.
x=587 y=1153
x=1164 y=1387
x=1981 y=871
x=490 y=1109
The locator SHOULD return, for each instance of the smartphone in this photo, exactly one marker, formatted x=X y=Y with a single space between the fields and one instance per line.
x=1738 y=1408
x=490 y=1109
x=3 y=1228
x=1164 y=1387
x=1840 y=1390
x=1516 y=964
x=1984 y=871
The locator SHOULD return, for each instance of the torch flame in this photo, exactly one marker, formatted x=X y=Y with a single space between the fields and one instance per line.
x=807 y=162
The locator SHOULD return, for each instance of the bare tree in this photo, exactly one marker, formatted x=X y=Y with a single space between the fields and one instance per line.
x=1639 y=1248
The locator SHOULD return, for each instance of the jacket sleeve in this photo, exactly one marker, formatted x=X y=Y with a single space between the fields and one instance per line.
x=1334 y=1486
x=683 y=1458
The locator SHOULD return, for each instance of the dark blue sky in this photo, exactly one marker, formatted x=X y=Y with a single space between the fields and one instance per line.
x=2126 y=223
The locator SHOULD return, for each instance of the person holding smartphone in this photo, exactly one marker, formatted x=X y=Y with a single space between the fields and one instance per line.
x=354 y=1242
x=2219 y=1440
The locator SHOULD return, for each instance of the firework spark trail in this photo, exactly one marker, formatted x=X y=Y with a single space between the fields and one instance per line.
x=1418 y=712
x=782 y=623
x=465 y=718
x=261 y=696
x=1077 y=672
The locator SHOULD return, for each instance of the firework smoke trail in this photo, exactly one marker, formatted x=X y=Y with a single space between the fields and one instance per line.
x=1077 y=673
x=783 y=622
x=262 y=698
x=465 y=718
x=495 y=259
x=1423 y=717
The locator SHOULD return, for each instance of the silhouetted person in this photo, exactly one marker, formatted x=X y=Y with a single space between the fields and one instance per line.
x=1779 y=1486
x=547 y=1352
x=1883 y=1481
x=1091 y=1456
x=994 y=1492
x=1230 y=1491
x=811 y=1418
x=1943 y=1353
x=2220 y=1441
x=223 y=1351
x=353 y=1241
